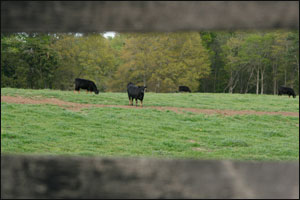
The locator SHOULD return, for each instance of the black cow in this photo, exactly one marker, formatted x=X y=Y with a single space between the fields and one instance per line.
x=183 y=88
x=85 y=84
x=286 y=90
x=135 y=92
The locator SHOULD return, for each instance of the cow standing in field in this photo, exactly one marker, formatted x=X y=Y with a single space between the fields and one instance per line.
x=183 y=88
x=135 y=92
x=286 y=90
x=90 y=86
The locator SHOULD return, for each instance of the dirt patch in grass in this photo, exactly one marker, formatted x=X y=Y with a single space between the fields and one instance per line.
x=78 y=107
x=200 y=149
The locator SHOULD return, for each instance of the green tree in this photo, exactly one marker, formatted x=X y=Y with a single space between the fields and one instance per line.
x=88 y=56
x=27 y=60
x=163 y=61
x=254 y=54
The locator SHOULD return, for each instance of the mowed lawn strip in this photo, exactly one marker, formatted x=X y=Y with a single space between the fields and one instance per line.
x=49 y=129
x=218 y=101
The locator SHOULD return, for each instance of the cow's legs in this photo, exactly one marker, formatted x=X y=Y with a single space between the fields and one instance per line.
x=142 y=103
x=136 y=102
x=131 y=101
x=76 y=89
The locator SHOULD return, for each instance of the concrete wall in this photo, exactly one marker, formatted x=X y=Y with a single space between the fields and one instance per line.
x=95 y=177
x=92 y=16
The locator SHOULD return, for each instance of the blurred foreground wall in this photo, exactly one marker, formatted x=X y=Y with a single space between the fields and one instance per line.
x=94 y=177
x=133 y=16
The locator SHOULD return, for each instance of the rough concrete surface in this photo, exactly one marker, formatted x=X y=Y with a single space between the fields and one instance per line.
x=34 y=176
x=145 y=16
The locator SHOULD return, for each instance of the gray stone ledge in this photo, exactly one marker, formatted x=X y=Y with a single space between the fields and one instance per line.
x=146 y=16
x=24 y=176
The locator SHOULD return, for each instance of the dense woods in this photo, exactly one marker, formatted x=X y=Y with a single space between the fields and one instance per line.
x=211 y=61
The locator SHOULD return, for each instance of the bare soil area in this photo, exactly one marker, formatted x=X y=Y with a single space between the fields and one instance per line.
x=78 y=107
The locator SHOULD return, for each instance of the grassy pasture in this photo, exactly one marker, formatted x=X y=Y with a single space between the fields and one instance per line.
x=50 y=129
x=222 y=101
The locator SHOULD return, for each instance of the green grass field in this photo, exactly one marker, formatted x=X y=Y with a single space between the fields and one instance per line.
x=50 y=129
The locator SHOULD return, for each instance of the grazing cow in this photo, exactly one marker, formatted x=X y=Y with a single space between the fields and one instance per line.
x=85 y=84
x=183 y=88
x=135 y=92
x=286 y=90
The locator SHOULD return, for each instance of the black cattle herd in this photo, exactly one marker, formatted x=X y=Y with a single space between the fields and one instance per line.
x=88 y=85
x=137 y=92
x=286 y=90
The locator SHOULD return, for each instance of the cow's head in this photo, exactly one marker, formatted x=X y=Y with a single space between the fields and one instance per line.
x=96 y=91
x=130 y=83
x=143 y=88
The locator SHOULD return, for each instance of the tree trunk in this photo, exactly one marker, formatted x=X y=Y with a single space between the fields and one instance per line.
x=215 y=80
x=275 y=86
x=274 y=80
x=233 y=82
x=262 y=82
x=236 y=81
x=230 y=83
x=257 y=80
x=144 y=75
x=157 y=86
x=144 y=79
x=252 y=70
x=230 y=89
x=297 y=65
x=284 y=77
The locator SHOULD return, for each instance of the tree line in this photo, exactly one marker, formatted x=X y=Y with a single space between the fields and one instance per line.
x=208 y=61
